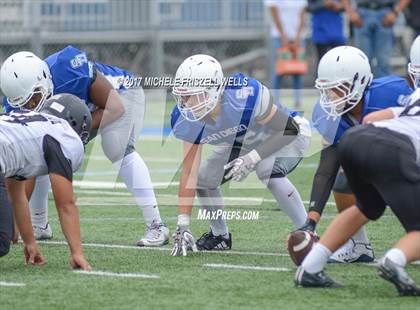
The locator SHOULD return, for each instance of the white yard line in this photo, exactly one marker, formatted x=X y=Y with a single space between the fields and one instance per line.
x=12 y=284
x=245 y=267
x=119 y=275
x=118 y=185
x=132 y=247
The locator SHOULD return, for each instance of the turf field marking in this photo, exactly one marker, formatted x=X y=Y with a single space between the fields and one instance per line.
x=111 y=185
x=245 y=267
x=132 y=247
x=12 y=284
x=114 y=274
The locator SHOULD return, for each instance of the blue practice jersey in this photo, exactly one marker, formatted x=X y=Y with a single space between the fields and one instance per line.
x=383 y=93
x=238 y=116
x=72 y=72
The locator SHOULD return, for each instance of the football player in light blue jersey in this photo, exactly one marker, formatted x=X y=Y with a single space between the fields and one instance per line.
x=348 y=95
x=249 y=133
x=117 y=113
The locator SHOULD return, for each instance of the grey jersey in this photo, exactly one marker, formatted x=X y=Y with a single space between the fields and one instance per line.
x=22 y=136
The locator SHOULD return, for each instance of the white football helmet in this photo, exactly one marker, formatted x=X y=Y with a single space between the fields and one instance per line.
x=414 y=64
x=343 y=75
x=198 y=86
x=23 y=75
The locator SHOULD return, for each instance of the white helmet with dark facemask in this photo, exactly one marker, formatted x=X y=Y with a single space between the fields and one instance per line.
x=344 y=73
x=198 y=86
x=23 y=75
x=414 y=65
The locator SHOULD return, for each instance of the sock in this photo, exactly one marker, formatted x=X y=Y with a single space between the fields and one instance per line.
x=289 y=200
x=397 y=256
x=38 y=204
x=316 y=259
x=136 y=177
x=211 y=200
x=361 y=236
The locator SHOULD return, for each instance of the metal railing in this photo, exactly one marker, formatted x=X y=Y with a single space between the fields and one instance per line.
x=129 y=15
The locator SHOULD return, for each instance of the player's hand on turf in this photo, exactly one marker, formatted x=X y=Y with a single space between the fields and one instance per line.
x=242 y=166
x=32 y=255
x=78 y=261
x=183 y=241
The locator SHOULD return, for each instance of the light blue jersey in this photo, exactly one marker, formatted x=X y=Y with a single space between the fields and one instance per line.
x=239 y=115
x=383 y=93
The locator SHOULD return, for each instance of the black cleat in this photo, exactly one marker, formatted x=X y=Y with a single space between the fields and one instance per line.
x=210 y=242
x=397 y=275
x=320 y=279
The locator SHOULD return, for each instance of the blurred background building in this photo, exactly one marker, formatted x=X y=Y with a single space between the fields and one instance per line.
x=152 y=37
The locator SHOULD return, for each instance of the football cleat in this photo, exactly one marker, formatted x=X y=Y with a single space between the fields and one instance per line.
x=43 y=233
x=353 y=252
x=157 y=234
x=210 y=242
x=319 y=279
x=397 y=275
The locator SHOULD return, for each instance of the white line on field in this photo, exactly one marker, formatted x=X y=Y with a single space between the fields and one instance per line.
x=111 y=185
x=114 y=274
x=132 y=247
x=244 y=267
x=169 y=196
x=12 y=284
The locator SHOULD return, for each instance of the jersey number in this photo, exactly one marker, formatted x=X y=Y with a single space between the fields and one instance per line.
x=24 y=119
x=412 y=110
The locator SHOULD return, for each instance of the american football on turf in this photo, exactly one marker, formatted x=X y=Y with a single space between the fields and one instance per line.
x=299 y=244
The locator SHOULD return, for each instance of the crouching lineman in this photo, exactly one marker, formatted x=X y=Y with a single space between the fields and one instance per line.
x=249 y=133
x=389 y=175
x=348 y=96
x=47 y=143
x=117 y=112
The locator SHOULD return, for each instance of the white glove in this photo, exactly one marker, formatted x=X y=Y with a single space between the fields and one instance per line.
x=183 y=241
x=242 y=166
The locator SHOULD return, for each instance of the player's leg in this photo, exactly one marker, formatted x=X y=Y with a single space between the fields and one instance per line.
x=211 y=200
x=402 y=194
x=371 y=206
x=358 y=248
x=38 y=205
x=6 y=219
x=273 y=172
x=383 y=45
x=118 y=143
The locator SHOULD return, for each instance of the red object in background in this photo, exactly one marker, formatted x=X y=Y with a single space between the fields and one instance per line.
x=290 y=63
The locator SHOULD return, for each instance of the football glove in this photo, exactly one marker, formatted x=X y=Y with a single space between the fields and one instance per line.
x=183 y=241
x=242 y=166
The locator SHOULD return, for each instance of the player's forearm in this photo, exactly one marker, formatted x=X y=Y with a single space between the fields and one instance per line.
x=112 y=111
x=324 y=179
x=186 y=194
x=287 y=130
x=20 y=204
x=70 y=224
x=23 y=220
